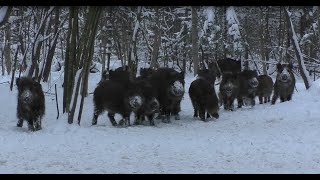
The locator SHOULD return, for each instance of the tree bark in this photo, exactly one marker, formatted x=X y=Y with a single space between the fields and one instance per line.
x=7 y=49
x=302 y=67
x=195 y=40
x=14 y=67
x=37 y=44
x=87 y=50
x=154 y=56
x=70 y=58
x=7 y=15
x=52 y=47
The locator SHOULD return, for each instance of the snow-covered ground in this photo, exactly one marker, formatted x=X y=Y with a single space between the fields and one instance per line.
x=280 y=138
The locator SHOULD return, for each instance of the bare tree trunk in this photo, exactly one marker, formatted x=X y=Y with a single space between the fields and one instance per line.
x=14 y=67
x=225 y=33
x=195 y=40
x=2 y=64
x=70 y=58
x=246 y=57
x=75 y=96
x=52 y=47
x=94 y=13
x=287 y=59
x=7 y=49
x=37 y=44
x=267 y=39
x=302 y=67
x=281 y=35
x=7 y=10
x=263 y=41
x=103 y=46
x=154 y=56
x=86 y=49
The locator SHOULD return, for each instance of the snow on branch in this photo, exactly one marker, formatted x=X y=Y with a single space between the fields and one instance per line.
x=233 y=23
x=299 y=53
x=3 y=12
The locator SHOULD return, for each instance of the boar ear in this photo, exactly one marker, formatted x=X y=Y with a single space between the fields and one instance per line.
x=18 y=81
x=37 y=84
x=290 y=66
x=34 y=79
x=279 y=67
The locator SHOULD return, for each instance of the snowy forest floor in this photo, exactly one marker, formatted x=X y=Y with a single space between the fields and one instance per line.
x=280 y=138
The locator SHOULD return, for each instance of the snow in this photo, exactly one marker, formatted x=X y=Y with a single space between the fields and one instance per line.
x=233 y=23
x=3 y=12
x=280 y=138
x=210 y=14
x=76 y=79
x=295 y=40
x=136 y=27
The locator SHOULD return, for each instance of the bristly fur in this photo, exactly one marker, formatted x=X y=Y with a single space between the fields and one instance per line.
x=31 y=108
x=203 y=95
x=282 y=89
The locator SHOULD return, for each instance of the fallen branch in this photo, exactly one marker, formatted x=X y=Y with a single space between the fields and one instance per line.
x=55 y=87
x=6 y=82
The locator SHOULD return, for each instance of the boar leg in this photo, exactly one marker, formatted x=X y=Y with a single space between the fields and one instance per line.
x=38 y=124
x=260 y=99
x=96 y=114
x=20 y=123
x=111 y=118
x=151 y=117
x=30 y=125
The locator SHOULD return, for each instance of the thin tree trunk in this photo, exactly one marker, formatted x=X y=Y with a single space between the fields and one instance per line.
x=2 y=64
x=14 y=67
x=195 y=40
x=281 y=36
x=7 y=49
x=225 y=32
x=96 y=12
x=154 y=56
x=37 y=44
x=52 y=48
x=263 y=42
x=287 y=59
x=302 y=68
x=70 y=58
x=7 y=10
x=86 y=49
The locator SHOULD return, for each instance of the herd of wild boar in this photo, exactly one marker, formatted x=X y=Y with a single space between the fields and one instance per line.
x=160 y=91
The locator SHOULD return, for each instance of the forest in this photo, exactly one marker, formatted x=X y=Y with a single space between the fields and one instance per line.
x=78 y=41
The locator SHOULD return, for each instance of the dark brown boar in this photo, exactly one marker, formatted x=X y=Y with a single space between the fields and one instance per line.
x=31 y=103
x=265 y=88
x=203 y=96
x=116 y=96
x=151 y=105
x=285 y=83
x=225 y=65
x=228 y=90
x=169 y=85
x=248 y=85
